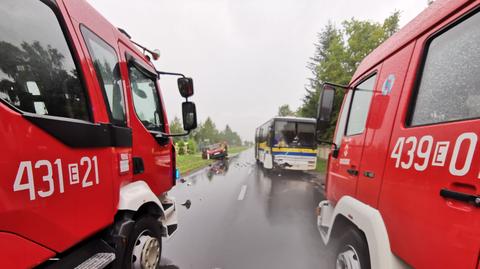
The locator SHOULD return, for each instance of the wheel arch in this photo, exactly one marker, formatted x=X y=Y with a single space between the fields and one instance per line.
x=149 y=208
x=136 y=200
x=341 y=224
x=137 y=197
x=350 y=212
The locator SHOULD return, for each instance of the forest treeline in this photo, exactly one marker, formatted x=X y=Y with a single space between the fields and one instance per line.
x=205 y=134
x=339 y=49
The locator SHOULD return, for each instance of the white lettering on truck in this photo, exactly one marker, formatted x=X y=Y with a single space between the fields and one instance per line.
x=26 y=169
x=419 y=154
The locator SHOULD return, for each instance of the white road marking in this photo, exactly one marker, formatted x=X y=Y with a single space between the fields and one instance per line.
x=242 y=193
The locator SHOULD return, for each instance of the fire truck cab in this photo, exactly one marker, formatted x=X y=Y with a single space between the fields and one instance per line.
x=403 y=177
x=87 y=157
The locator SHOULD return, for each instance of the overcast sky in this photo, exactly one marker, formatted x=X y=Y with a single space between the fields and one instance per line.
x=247 y=57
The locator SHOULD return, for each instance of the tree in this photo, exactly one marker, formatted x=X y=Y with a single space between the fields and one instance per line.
x=176 y=128
x=191 y=146
x=207 y=131
x=181 y=147
x=285 y=110
x=327 y=64
x=337 y=55
x=364 y=36
x=231 y=137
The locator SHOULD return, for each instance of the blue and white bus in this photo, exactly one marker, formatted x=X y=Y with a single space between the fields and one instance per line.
x=287 y=143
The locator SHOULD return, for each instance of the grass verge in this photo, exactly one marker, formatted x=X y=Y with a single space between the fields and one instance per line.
x=188 y=163
x=235 y=150
x=321 y=165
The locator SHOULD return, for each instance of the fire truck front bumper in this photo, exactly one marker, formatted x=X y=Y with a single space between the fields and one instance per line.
x=324 y=218
x=169 y=219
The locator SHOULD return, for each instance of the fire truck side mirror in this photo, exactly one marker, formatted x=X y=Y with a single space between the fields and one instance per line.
x=325 y=108
x=189 y=113
x=185 y=86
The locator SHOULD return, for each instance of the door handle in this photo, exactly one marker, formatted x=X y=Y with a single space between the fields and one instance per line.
x=138 y=166
x=369 y=174
x=352 y=171
x=460 y=196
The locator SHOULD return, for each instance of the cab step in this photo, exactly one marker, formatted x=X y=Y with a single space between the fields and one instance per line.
x=96 y=254
x=97 y=261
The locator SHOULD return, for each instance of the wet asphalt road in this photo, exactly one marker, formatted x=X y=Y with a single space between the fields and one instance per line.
x=241 y=217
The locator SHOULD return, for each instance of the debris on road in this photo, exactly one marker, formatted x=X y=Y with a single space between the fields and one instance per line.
x=187 y=204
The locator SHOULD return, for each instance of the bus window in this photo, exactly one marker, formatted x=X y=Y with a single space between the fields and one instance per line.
x=306 y=134
x=284 y=134
x=291 y=134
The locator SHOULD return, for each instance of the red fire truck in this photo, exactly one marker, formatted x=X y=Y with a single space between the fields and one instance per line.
x=87 y=157
x=403 y=178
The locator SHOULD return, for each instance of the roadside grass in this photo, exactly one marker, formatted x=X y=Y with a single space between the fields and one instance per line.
x=235 y=150
x=188 y=163
x=321 y=165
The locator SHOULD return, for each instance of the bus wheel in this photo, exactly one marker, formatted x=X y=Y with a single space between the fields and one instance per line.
x=144 y=245
x=352 y=251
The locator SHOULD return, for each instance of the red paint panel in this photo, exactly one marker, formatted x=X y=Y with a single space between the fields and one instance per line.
x=379 y=126
x=157 y=158
x=341 y=181
x=425 y=229
x=19 y=253
x=62 y=219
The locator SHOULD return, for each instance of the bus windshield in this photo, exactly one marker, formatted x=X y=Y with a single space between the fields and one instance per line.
x=294 y=135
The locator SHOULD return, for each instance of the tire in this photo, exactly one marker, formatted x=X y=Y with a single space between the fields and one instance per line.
x=351 y=251
x=146 y=227
x=268 y=172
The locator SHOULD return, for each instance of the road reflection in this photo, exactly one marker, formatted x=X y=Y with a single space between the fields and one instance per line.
x=289 y=195
x=271 y=225
x=218 y=168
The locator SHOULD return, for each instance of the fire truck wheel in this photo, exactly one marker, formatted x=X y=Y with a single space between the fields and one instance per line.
x=144 y=245
x=352 y=251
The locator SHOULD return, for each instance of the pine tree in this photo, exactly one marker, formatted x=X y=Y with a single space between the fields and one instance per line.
x=337 y=55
